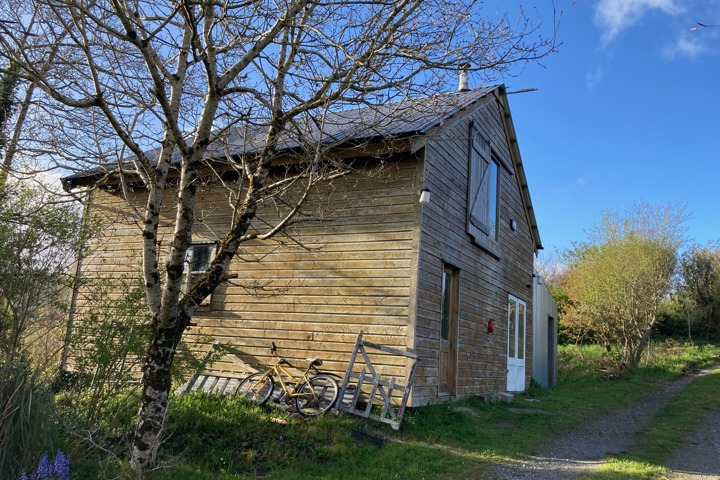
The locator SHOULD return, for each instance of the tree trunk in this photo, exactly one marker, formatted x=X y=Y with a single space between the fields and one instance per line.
x=155 y=393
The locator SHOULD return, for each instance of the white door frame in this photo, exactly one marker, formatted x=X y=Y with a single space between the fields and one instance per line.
x=516 y=347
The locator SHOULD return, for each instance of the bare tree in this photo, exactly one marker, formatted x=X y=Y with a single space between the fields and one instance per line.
x=163 y=87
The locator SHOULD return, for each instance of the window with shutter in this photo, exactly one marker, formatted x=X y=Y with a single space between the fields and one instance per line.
x=482 y=189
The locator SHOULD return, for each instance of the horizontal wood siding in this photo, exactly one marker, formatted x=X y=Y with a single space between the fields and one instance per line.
x=310 y=291
x=485 y=280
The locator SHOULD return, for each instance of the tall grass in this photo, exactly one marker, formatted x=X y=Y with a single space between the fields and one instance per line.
x=27 y=419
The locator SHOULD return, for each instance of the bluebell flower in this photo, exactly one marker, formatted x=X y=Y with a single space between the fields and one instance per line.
x=62 y=466
x=59 y=470
x=45 y=470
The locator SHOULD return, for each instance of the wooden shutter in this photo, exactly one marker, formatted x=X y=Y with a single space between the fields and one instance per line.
x=478 y=185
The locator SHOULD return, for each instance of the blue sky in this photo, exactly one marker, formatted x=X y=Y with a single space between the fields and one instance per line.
x=626 y=111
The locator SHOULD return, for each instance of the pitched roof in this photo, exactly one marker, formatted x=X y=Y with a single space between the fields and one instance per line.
x=391 y=120
x=402 y=119
x=411 y=116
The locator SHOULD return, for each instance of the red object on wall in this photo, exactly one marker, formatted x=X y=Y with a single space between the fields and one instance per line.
x=491 y=326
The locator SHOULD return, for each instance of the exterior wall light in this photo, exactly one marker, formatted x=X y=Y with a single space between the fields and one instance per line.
x=513 y=225
x=425 y=196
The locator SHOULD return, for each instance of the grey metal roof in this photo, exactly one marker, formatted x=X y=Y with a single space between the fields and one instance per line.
x=413 y=116
x=390 y=120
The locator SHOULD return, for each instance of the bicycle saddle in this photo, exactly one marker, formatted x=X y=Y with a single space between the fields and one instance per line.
x=315 y=362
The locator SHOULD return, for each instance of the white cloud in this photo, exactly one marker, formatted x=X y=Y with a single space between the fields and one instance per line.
x=614 y=16
x=575 y=185
x=582 y=181
x=685 y=46
x=593 y=78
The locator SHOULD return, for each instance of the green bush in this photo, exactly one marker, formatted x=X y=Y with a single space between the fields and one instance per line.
x=671 y=320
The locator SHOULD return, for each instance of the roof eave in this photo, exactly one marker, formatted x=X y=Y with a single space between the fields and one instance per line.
x=501 y=94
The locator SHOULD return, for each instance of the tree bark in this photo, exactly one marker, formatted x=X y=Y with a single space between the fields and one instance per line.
x=157 y=381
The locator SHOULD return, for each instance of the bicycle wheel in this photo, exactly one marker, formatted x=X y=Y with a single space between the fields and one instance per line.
x=316 y=397
x=257 y=388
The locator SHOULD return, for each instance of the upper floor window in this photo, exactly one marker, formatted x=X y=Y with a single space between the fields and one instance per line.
x=483 y=190
x=197 y=261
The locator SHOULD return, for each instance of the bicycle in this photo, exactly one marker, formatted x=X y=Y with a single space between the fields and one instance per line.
x=311 y=395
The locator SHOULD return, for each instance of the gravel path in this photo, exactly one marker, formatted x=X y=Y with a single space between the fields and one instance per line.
x=699 y=459
x=584 y=448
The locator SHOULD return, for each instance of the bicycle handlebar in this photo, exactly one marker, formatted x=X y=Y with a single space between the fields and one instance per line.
x=313 y=364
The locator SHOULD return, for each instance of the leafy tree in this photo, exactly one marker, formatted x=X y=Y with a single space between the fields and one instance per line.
x=700 y=288
x=618 y=278
x=554 y=273
x=161 y=87
x=40 y=237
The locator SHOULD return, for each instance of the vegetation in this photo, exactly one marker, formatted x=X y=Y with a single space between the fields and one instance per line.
x=699 y=292
x=27 y=419
x=199 y=72
x=215 y=438
x=617 y=280
x=39 y=239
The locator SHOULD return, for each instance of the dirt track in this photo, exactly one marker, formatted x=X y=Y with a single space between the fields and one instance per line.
x=581 y=451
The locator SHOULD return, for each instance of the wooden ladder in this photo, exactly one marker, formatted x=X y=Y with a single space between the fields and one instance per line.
x=389 y=413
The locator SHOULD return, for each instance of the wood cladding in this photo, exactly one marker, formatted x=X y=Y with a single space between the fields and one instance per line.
x=310 y=291
x=373 y=262
x=487 y=276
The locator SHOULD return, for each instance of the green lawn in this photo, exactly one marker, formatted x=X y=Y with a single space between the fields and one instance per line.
x=213 y=438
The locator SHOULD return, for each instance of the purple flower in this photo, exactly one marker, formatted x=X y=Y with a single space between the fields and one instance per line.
x=59 y=470
x=62 y=466
x=45 y=470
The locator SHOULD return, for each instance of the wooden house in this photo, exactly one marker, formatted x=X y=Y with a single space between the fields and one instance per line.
x=449 y=278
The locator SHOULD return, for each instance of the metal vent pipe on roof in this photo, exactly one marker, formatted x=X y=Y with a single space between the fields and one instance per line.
x=463 y=78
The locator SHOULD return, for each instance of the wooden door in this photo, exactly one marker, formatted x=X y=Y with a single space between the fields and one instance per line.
x=516 y=345
x=448 y=330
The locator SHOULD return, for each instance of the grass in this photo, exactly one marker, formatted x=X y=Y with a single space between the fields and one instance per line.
x=214 y=438
x=27 y=411
x=619 y=469
x=669 y=429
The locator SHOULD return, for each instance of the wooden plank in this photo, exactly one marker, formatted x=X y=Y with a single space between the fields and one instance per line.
x=393 y=351
x=386 y=404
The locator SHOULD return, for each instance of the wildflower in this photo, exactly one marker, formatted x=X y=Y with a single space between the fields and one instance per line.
x=45 y=470
x=58 y=470
x=62 y=466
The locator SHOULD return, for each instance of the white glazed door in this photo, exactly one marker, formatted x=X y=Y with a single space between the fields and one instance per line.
x=516 y=345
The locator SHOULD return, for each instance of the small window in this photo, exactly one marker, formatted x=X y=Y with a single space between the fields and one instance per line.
x=450 y=301
x=483 y=190
x=197 y=262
